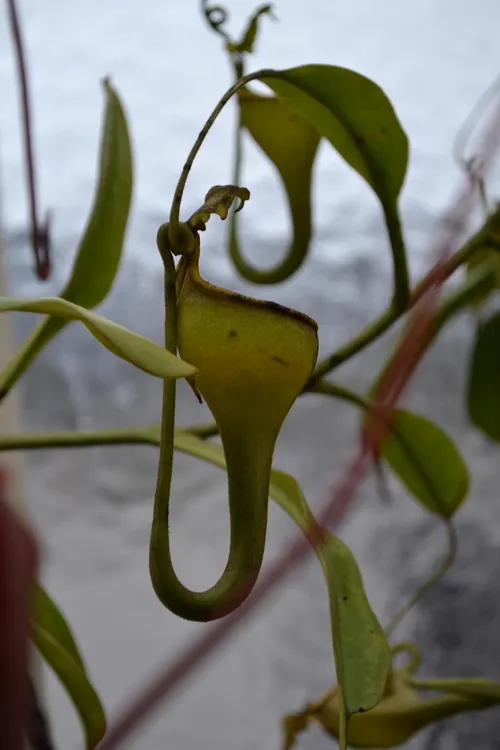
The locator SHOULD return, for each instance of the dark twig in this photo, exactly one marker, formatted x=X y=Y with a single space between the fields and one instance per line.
x=40 y=234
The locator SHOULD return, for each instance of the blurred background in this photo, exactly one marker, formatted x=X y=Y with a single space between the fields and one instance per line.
x=92 y=508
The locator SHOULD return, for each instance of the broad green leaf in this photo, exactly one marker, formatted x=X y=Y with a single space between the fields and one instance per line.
x=99 y=253
x=144 y=354
x=56 y=644
x=247 y=42
x=427 y=462
x=355 y=115
x=291 y=144
x=483 y=396
x=362 y=655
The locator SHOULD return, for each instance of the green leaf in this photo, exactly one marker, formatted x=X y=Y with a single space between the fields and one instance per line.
x=250 y=34
x=139 y=351
x=56 y=644
x=427 y=462
x=98 y=256
x=100 y=250
x=355 y=115
x=483 y=398
x=362 y=654
x=291 y=144
x=48 y=617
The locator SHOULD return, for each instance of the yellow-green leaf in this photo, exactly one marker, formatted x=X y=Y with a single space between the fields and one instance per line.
x=427 y=462
x=291 y=143
x=362 y=655
x=54 y=640
x=139 y=351
x=98 y=256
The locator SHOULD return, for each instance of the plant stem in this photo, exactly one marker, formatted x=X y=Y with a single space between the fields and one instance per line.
x=488 y=234
x=401 y=294
x=179 y=190
x=39 y=231
x=338 y=391
x=355 y=345
x=436 y=576
x=71 y=439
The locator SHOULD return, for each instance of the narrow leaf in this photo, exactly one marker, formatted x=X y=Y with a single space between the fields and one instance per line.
x=427 y=462
x=48 y=617
x=139 y=351
x=355 y=115
x=98 y=256
x=362 y=655
x=56 y=644
x=483 y=398
x=291 y=144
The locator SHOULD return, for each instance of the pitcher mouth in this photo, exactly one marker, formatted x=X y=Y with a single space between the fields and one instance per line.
x=191 y=266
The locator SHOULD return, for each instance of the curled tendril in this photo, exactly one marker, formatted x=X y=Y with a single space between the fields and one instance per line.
x=412 y=651
x=216 y=16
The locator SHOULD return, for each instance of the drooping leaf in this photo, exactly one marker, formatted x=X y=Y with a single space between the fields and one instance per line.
x=362 y=655
x=139 y=351
x=250 y=34
x=427 y=462
x=291 y=144
x=483 y=396
x=355 y=115
x=52 y=637
x=99 y=253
